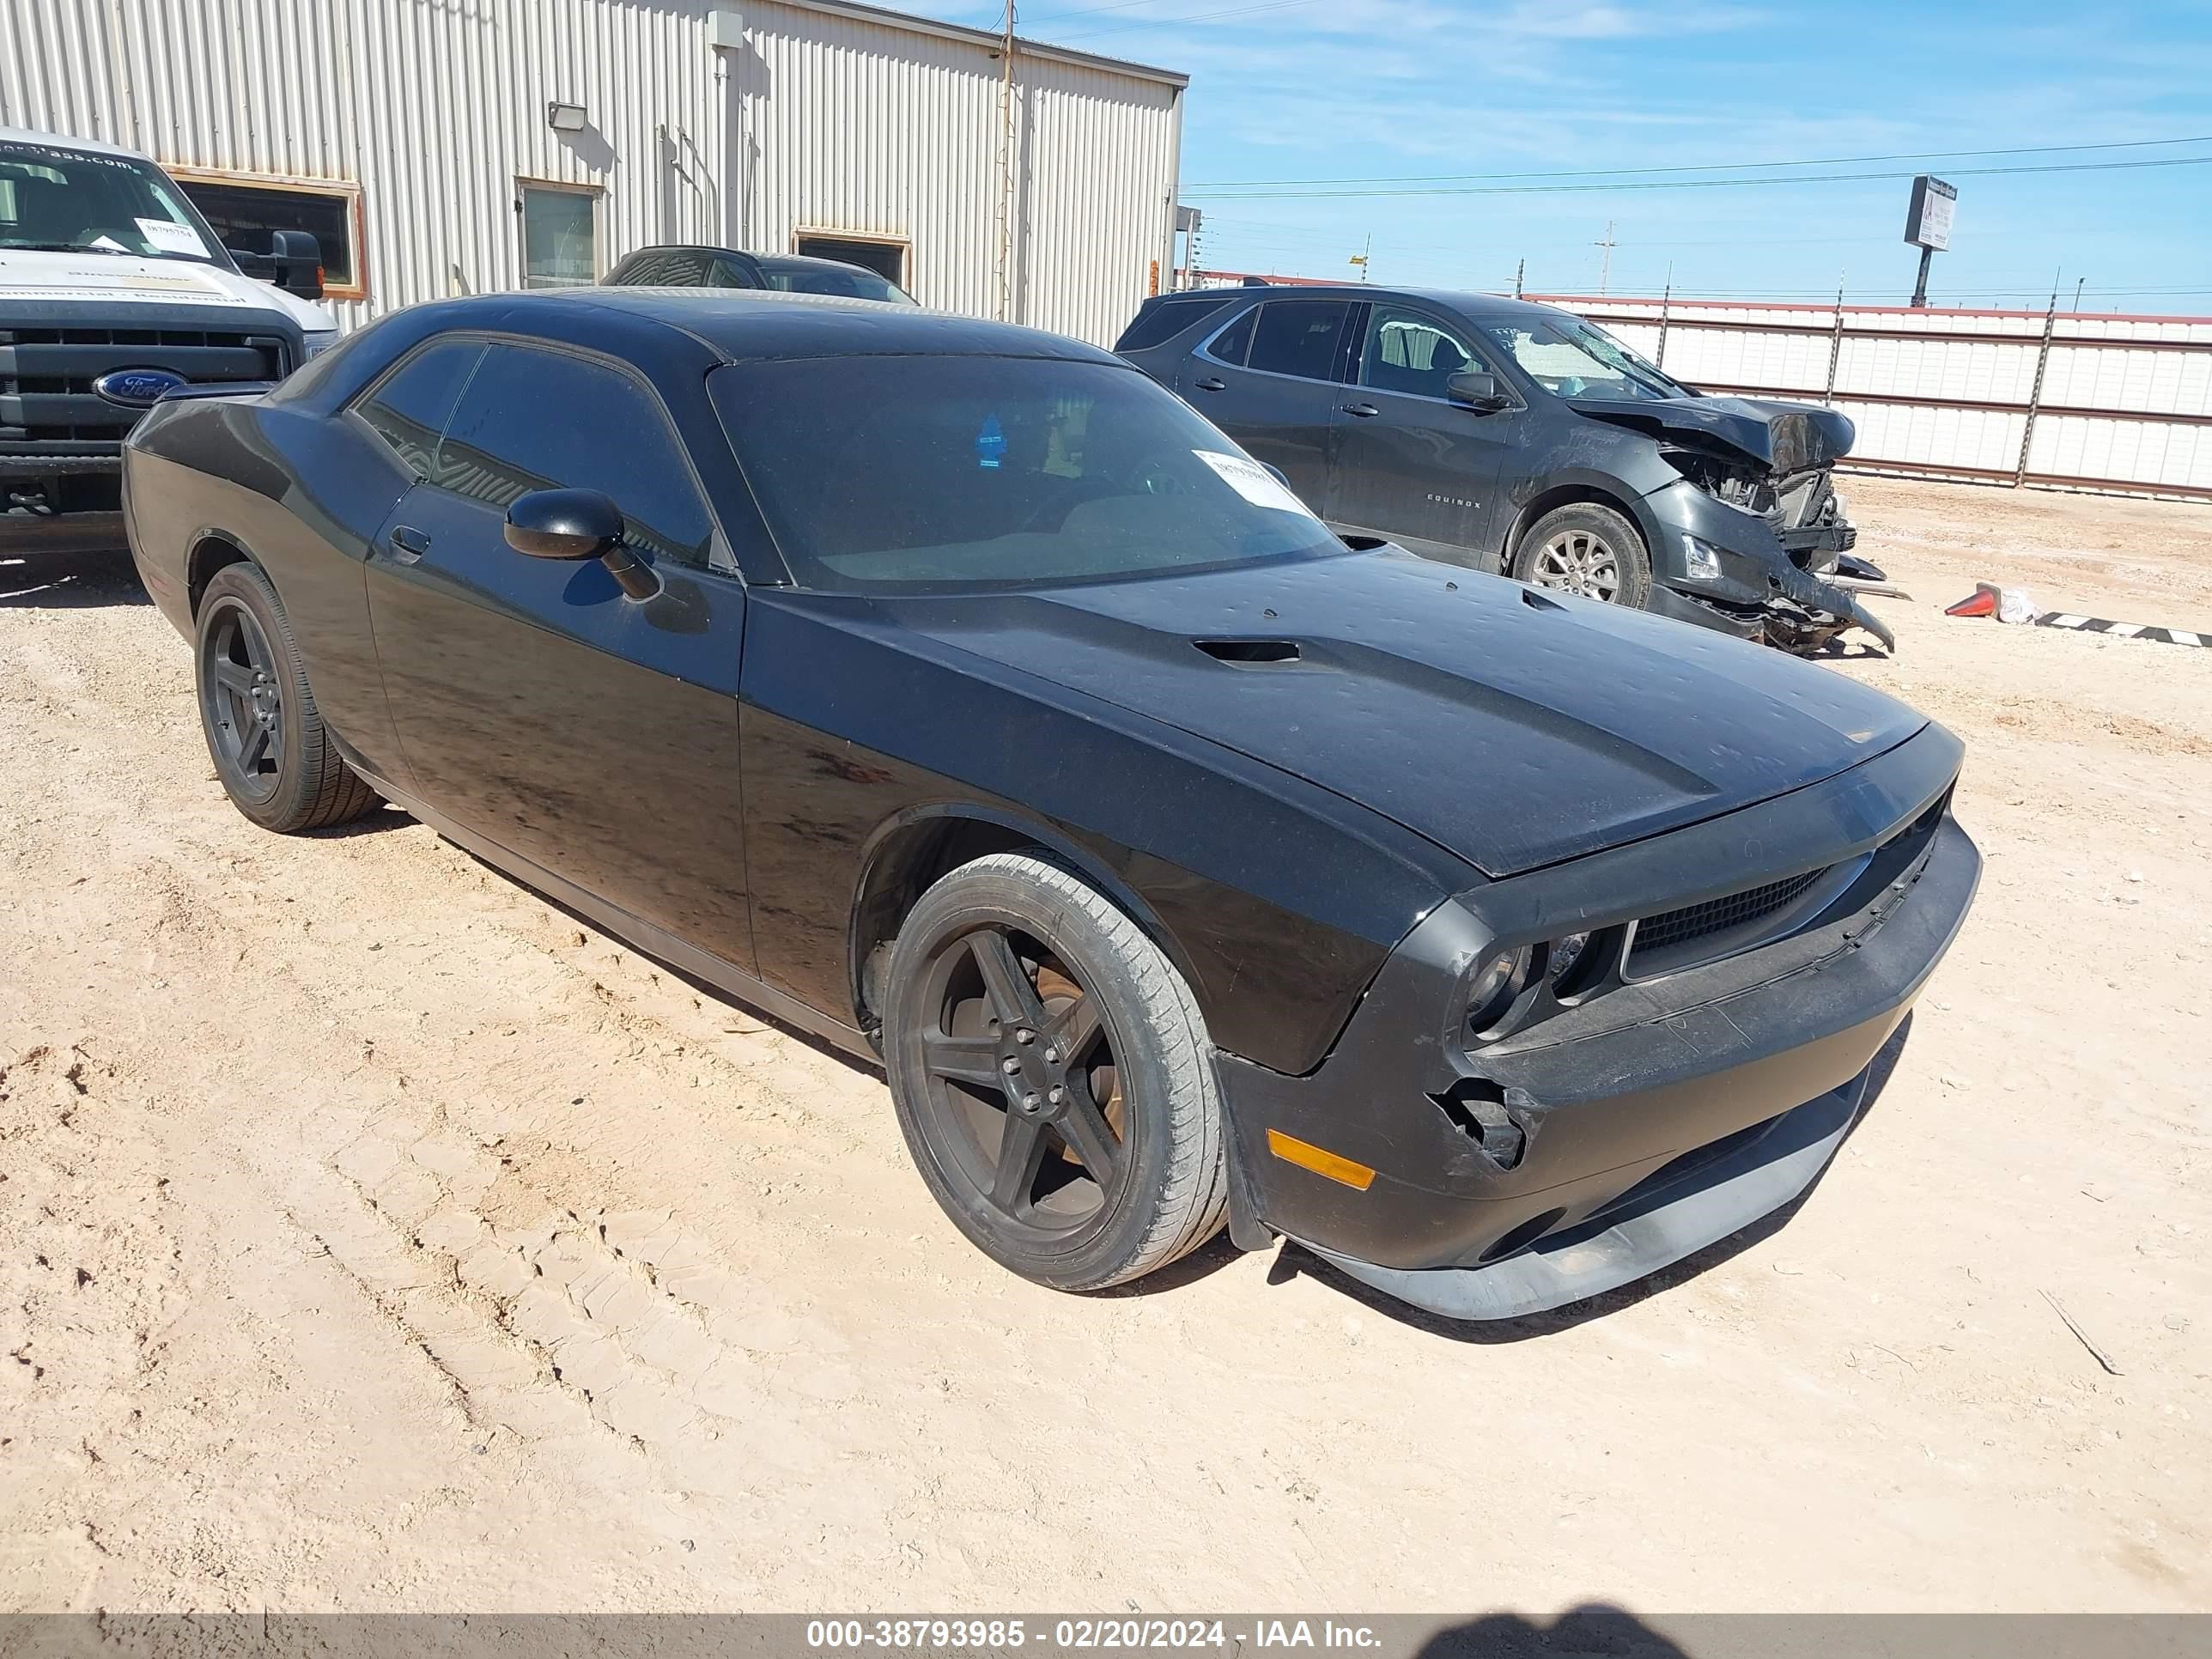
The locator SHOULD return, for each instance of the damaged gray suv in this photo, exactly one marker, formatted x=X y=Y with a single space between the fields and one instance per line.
x=1518 y=438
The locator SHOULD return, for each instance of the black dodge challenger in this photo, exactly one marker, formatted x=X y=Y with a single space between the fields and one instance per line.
x=955 y=693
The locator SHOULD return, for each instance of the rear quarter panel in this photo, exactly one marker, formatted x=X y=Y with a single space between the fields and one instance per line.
x=302 y=495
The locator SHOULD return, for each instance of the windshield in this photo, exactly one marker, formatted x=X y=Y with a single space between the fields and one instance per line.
x=1567 y=356
x=847 y=281
x=74 y=201
x=949 y=474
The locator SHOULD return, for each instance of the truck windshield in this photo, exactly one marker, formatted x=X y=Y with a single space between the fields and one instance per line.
x=74 y=201
x=1568 y=357
x=965 y=474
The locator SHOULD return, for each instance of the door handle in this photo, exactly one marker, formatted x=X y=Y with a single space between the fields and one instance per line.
x=1365 y=411
x=1209 y=383
x=408 y=544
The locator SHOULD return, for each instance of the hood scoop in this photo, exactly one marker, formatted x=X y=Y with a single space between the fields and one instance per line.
x=1249 y=653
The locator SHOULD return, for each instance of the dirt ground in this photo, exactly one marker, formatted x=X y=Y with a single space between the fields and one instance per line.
x=373 y=1236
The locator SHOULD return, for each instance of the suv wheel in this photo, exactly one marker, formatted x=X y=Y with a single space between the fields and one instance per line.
x=1588 y=550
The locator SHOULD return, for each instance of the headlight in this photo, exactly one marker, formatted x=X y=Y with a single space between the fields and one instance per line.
x=1493 y=987
x=1704 y=559
x=1566 y=953
x=314 y=345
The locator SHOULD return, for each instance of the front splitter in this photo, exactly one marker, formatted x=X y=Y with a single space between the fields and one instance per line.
x=1654 y=1224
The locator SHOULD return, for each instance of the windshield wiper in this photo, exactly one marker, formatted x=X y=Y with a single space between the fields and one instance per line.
x=67 y=247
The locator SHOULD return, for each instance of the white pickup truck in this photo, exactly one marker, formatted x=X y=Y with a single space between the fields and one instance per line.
x=114 y=290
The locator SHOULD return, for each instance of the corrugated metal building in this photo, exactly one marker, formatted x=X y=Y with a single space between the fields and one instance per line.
x=446 y=146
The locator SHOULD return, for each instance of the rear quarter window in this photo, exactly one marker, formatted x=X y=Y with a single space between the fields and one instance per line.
x=1166 y=320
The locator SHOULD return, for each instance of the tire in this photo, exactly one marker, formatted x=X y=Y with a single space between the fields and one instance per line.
x=1586 y=548
x=272 y=752
x=1127 y=1050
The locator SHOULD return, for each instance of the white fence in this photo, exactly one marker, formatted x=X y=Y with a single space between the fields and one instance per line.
x=2063 y=399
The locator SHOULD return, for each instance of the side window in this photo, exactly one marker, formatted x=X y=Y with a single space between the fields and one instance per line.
x=1233 y=342
x=544 y=420
x=1299 y=337
x=409 y=407
x=1409 y=352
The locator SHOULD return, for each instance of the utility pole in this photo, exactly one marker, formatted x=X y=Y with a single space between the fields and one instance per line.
x=1605 y=268
x=1519 y=271
x=2078 y=281
x=1360 y=258
x=1005 y=272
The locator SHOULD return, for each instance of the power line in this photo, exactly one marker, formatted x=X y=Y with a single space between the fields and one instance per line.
x=1708 y=167
x=1195 y=194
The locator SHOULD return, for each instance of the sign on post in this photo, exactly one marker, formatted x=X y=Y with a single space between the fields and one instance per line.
x=1927 y=219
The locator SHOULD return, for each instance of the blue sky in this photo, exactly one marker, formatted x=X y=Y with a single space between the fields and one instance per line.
x=1331 y=89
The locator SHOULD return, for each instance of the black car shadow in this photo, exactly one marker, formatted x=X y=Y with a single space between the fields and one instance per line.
x=70 y=581
x=1587 y=1632
x=1292 y=1259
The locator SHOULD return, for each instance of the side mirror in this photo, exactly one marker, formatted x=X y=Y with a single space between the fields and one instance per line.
x=575 y=524
x=297 y=256
x=1477 y=388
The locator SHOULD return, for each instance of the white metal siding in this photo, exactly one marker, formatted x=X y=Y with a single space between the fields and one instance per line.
x=851 y=122
x=2155 y=438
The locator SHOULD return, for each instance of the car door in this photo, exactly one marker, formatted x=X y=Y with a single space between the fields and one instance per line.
x=1269 y=379
x=593 y=735
x=1409 y=463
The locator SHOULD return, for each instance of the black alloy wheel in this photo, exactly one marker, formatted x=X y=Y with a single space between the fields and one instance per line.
x=272 y=754
x=241 y=699
x=1051 y=1076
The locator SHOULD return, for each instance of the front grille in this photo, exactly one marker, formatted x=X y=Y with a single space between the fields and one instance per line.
x=46 y=399
x=1696 y=921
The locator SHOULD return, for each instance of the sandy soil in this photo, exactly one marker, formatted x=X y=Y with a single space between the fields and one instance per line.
x=374 y=1236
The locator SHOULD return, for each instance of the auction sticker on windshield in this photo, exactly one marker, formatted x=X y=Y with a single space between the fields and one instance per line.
x=173 y=238
x=1253 y=482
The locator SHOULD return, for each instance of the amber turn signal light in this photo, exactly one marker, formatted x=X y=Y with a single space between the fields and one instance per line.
x=1320 y=1160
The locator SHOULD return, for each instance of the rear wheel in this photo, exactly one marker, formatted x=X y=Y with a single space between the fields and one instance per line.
x=1052 y=1077
x=270 y=749
x=1589 y=550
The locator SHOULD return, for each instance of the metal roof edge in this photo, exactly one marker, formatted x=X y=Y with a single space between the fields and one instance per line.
x=988 y=39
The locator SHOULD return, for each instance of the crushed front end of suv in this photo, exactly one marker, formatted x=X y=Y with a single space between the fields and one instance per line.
x=1518 y=438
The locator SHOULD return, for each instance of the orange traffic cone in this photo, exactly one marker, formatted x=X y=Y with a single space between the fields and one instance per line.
x=1982 y=602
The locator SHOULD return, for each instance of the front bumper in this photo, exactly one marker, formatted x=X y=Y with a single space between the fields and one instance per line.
x=1638 y=1114
x=1761 y=589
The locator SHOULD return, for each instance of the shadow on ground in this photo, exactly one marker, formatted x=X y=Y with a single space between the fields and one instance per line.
x=59 y=581
x=1582 y=1632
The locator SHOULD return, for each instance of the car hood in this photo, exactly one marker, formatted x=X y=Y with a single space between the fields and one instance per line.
x=38 y=276
x=1512 y=728
x=1781 y=437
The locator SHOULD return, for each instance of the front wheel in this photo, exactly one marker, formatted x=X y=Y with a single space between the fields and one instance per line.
x=1589 y=550
x=1052 y=1077
x=276 y=760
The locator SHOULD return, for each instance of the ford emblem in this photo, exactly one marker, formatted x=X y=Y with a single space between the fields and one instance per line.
x=137 y=388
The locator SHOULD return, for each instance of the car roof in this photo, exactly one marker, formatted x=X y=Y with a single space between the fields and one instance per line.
x=760 y=325
x=1476 y=307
